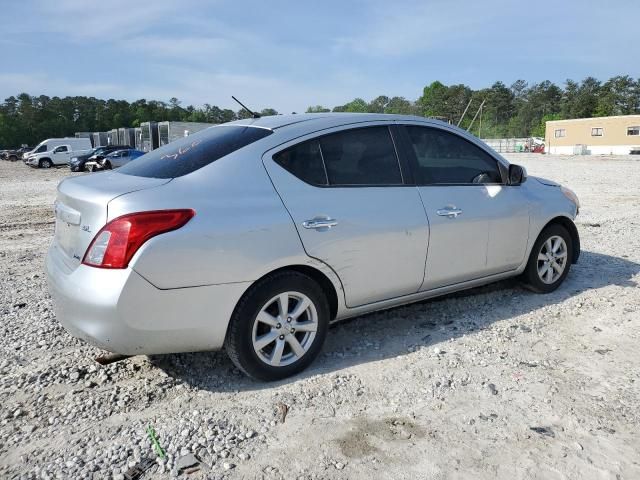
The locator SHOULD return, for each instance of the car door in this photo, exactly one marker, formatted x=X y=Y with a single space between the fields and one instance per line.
x=121 y=158
x=61 y=154
x=479 y=225
x=346 y=195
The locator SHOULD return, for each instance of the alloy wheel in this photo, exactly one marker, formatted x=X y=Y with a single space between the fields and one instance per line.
x=285 y=329
x=552 y=259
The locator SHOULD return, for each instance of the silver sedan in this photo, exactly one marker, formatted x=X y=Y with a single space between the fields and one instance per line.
x=254 y=235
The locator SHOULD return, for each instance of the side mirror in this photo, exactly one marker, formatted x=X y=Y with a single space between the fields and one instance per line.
x=517 y=174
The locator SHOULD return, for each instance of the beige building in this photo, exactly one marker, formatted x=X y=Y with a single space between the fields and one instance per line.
x=593 y=136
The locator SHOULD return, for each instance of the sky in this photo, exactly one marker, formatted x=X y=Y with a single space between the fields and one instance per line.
x=290 y=55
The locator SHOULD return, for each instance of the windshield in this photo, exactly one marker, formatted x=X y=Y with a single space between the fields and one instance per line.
x=191 y=153
x=40 y=148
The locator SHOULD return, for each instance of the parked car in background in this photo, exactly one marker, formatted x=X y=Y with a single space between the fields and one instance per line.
x=57 y=151
x=114 y=160
x=256 y=234
x=15 y=154
x=78 y=162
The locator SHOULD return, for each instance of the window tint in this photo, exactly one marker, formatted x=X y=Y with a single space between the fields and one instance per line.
x=445 y=158
x=304 y=161
x=363 y=156
x=191 y=153
x=41 y=148
x=62 y=148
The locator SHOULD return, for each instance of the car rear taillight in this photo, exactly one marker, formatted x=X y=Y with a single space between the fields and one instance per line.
x=120 y=239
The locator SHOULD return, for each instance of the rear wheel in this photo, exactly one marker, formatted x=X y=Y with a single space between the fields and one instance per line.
x=550 y=260
x=46 y=163
x=278 y=327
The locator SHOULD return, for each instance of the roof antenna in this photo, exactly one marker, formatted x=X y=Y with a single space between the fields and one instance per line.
x=253 y=114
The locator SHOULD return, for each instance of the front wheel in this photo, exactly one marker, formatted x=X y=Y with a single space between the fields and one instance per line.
x=278 y=327
x=107 y=165
x=46 y=163
x=550 y=260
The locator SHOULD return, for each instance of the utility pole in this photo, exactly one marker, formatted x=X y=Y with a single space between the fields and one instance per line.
x=476 y=116
x=465 y=112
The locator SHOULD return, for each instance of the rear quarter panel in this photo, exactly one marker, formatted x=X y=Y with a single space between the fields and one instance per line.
x=240 y=232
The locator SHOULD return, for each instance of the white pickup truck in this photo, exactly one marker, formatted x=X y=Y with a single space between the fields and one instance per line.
x=56 y=151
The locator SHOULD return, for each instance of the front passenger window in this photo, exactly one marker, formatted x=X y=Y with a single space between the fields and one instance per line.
x=446 y=158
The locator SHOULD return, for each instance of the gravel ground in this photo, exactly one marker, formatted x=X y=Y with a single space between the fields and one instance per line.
x=496 y=382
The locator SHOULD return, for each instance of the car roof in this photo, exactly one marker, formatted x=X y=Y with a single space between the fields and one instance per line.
x=295 y=125
x=327 y=120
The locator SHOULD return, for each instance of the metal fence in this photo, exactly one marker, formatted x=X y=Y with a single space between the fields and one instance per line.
x=513 y=145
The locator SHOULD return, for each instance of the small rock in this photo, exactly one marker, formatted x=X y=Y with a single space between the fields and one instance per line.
x=603 y=351
x=546 y=431
x=186 y=461
x=492 y=388
x=28 y=429
x=228 y=466
x=340 y=465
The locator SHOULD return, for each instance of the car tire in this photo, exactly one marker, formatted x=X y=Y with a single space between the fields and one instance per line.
x=550 y=260
x=46 y=163
x=107 y=166
x=13 y=158
x=265 y=343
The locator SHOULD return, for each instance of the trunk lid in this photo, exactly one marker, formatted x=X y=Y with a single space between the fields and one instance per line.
x=81 y=209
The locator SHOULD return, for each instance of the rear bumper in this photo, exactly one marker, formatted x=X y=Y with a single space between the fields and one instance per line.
x=119 y=311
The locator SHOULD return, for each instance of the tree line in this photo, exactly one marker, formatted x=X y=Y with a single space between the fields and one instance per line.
x=517 y=110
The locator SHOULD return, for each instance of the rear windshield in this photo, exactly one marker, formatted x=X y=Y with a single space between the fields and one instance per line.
x=193 y=152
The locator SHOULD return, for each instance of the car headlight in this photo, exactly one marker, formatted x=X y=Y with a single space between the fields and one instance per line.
x=74 y=159
x=571 y=195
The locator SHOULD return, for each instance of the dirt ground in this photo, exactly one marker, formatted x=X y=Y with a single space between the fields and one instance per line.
x=496 y=382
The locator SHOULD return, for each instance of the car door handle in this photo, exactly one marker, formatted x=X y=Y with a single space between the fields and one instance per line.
x=450 y=212
x=319 y=223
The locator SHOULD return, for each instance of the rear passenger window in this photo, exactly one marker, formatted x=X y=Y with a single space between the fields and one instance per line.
x=363 y=156
x=304 y=161
x=446 y=158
